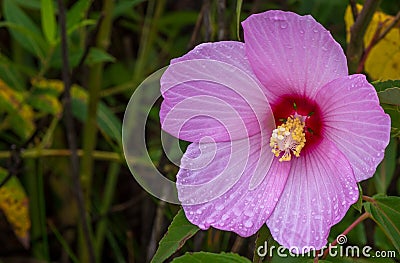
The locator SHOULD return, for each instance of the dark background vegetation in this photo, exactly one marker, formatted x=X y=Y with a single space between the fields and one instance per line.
x=125 y=222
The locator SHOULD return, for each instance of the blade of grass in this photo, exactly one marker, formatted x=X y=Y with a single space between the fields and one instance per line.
x=110 y=185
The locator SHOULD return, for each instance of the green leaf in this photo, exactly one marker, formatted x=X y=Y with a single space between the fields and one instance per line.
x=385 y=212
x=394 y=112
x=383 y=85
x=45 y=103
x=97 y=55
x=390 y=96
x=14 y=204
x=384 y=172
x=32 y=4
x=77 y=13
x=24 y=30
x=178 y=232
x=358 y=204
x=263 y=235
x=48 y=20
x=107 y=122
x=19 y=116
x=124 y=6
x=207 y=257
x=238 y=11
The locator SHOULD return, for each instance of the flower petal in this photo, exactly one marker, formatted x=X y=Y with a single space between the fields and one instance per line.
x=355 y=122
x=319 y=191
x=292 y=54
x=213 y=186
x=211 y=91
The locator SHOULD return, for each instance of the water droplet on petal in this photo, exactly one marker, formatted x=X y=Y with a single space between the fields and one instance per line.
x=301 y=31
x=224 y=217
x=315 y=30
x=219 y=207
x=248 y=223
x=284 y=25
x=276 y=230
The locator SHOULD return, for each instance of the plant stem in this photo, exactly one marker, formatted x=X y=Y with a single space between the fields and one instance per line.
x=110 y=185
x=94 y=86
x=357 y=32
x=346 y=231
x=71 y=136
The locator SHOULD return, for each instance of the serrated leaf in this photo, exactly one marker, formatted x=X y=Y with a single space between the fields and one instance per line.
x=48 y=20
x=14 y=205
x=384 y=58
x=390 y=96
x=385 y=212
x=383 y=85
x=206 y=257
x=394 y=112
x=178 y=232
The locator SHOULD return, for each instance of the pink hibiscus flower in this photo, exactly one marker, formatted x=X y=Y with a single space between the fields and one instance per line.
x=281 y=133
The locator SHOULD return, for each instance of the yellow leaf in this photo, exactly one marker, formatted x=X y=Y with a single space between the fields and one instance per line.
x=19 y=116
x=14 y=205
x=383 y=61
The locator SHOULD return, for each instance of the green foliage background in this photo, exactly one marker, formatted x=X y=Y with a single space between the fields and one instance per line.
x=113 y=45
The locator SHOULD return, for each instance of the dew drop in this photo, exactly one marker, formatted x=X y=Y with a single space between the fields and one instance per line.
x=219 y=207
x=249 y=213
x=248 y=223
x=237 y=211
x=276 y=230
x=301 y=31
x=284 y=25
x=315 y=30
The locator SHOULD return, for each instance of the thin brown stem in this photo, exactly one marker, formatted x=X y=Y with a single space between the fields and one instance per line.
x=368 y=199
x=71 y=136
x=357 y=32
x=346 y=231
x=395 y=21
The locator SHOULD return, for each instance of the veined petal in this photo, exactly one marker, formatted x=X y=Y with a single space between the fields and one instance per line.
x=292 y=54
x=214 y=184
x=319 y=191
x=353 y=119
x=211 y=91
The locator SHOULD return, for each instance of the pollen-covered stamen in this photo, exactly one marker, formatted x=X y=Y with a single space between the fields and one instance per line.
x=288 y=138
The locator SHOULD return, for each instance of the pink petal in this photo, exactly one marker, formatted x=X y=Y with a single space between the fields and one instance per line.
x=355 y=122
x=214 y=180
x=292 y=54
x=211 y=91
x=318 y=192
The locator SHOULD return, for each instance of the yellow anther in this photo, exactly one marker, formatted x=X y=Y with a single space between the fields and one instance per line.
x=288 y=138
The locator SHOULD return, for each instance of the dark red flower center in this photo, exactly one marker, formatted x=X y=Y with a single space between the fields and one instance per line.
x=289 y=106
